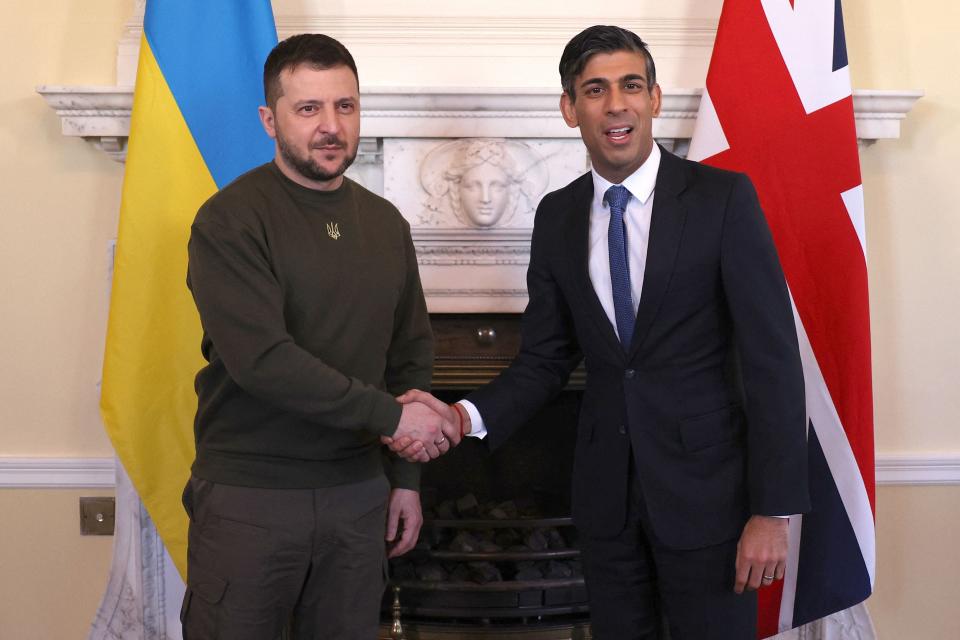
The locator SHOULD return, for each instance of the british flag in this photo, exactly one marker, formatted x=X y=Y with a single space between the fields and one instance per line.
x=778 y=106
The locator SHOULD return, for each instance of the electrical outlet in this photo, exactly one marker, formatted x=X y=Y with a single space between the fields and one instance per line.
x=97 y=516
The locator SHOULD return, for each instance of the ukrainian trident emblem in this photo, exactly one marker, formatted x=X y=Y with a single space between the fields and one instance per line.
x=333 y=230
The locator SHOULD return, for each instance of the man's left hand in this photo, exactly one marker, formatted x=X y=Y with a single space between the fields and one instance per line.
x=761 y=553
x=404 y=506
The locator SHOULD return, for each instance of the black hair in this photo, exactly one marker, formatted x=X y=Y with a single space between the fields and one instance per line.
x=314 y=49
x=600 y=39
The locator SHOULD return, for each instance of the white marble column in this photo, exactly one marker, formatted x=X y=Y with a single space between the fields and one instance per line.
x=141 y=601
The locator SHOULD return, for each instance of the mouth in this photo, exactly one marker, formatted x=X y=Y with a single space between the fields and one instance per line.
x=618 y=134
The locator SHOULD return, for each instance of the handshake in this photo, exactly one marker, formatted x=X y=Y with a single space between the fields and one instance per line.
x=428 y=427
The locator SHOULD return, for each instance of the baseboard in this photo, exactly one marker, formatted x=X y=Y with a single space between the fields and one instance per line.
x=74 y=473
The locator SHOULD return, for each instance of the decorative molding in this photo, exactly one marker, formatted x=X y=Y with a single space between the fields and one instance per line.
x=878 y=113
x=449 y=254
x=918 y=470
x=482 y=30
x=433 y=30
x=75 y=473
x=98 y=114
x=56 y=473
x=101 y=114
x=476 y=293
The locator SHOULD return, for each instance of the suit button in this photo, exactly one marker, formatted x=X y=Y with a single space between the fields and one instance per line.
x=629 y=374
x=622 y=430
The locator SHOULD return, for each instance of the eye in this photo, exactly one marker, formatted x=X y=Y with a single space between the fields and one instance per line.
x=633 y=86
x=308 y=108
x=594 y=91
x=346 y=107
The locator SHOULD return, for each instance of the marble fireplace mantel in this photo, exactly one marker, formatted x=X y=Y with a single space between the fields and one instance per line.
x=101 y=114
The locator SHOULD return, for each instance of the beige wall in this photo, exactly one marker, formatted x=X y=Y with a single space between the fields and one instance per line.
x=913 y=224
x=913 y=238
x=916 y=595
x=52 y=578
x=58 y=210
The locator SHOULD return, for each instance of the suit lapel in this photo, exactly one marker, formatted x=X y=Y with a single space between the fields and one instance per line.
x=666 y=229
x=578 y=239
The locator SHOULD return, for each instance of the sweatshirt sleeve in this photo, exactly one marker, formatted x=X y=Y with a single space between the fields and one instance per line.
x=241 y=309
x=410 y=357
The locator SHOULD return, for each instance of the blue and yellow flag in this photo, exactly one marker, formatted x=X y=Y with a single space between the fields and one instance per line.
x=193 y=129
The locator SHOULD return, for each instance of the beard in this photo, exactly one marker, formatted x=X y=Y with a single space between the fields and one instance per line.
x=306 y=166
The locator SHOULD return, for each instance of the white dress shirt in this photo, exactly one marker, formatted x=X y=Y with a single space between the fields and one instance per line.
x=637 y=216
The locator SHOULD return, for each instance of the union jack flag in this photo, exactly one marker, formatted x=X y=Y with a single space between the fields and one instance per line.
x=778 y=107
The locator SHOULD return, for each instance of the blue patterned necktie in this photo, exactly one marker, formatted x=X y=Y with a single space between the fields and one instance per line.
x=617 y=197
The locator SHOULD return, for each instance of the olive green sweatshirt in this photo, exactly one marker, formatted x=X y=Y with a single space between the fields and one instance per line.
x=313 y=320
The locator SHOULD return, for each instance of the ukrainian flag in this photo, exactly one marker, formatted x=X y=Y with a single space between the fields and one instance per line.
x=194 y=128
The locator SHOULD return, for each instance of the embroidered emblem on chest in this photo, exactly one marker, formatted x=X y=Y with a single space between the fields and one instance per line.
x=333 y=230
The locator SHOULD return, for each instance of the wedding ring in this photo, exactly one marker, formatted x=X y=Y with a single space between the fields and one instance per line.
x=770 y=578
x=441 y=440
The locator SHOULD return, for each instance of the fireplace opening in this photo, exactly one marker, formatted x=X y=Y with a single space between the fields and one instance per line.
x=498 y=551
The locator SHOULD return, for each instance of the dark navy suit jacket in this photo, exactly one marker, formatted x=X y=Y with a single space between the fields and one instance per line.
x=710 y=398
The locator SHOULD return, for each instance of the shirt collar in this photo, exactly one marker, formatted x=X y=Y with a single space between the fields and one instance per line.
x=640 y=183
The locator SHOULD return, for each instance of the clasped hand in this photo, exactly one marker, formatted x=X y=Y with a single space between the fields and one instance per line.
x=428 y=428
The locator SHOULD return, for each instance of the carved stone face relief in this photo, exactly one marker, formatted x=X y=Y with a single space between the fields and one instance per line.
x=483 y=193
x=471 y=204
x=481 y=183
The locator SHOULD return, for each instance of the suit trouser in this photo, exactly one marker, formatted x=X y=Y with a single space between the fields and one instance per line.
x=259 y=559
x=634 y=580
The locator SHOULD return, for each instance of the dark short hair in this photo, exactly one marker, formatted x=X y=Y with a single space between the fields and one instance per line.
x=600 y=39
x=314 y=49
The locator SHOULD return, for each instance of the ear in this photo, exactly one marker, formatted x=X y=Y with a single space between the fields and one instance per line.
x=266 y=118
x=568 y=111
x=657 y=99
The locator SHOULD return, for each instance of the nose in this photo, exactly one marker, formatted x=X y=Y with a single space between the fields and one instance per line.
x=615 y=100
x=484 y=192
x=328 y=121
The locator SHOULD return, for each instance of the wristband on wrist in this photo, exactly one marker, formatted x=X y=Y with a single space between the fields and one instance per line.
x=461 y=419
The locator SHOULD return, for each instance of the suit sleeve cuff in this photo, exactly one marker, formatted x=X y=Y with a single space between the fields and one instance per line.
x=477 y=428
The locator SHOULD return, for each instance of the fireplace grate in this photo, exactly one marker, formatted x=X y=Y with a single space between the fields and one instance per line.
x=458 y=571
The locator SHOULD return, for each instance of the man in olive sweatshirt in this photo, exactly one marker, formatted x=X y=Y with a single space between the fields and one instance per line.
x=313 y=321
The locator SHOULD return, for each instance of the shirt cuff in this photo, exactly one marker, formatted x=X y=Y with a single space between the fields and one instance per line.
x=477 y=428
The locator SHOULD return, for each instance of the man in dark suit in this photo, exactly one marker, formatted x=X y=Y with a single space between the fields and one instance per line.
x=691 y=446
